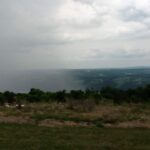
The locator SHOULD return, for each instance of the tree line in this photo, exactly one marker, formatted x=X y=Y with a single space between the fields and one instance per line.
x=118 y=96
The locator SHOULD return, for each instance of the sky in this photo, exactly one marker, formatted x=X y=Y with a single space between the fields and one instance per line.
x=45 y=34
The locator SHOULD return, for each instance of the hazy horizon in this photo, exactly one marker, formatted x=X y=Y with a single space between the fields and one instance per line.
x=73 y=79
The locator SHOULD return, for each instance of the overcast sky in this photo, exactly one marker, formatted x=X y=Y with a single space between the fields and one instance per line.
x=44 y=34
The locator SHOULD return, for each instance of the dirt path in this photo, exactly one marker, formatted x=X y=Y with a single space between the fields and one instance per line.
x=60 y=123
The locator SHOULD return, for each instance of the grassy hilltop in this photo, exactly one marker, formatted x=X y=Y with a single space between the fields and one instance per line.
x=107 y=120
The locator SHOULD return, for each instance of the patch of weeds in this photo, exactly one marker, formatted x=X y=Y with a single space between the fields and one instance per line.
x=99 y=122
x=12 y=112
x=132 y=117
x=137 y=110
x=39 y=117
x=81 y=105
x=106 y=147
x=112 y=120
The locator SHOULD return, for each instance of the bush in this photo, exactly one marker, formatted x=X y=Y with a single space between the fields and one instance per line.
x=9 y=97
x=2 y=99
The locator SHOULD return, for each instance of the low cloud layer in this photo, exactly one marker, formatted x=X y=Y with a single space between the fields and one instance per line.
x=48 y=34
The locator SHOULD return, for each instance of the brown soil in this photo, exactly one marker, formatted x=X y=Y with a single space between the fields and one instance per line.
x=13 y=119
x=58 y=123
x=54 y=123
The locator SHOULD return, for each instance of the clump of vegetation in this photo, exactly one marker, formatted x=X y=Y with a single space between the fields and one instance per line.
x=118 y=96
x=87 y=105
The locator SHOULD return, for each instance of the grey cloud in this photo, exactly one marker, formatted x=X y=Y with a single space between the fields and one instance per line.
x=85 y=1
x=134 y=14
x=28 y=23
x=61 y=33
x=119 y=54
x=134 y=53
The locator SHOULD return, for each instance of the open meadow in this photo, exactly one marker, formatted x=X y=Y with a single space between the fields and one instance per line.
x=32 y=137
x=75 y=126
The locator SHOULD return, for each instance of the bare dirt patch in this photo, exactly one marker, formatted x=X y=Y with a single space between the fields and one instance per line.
x=57 y=123
x=14 y=119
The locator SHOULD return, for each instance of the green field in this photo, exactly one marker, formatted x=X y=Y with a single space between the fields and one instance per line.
x=32 y=137
x=69 y=126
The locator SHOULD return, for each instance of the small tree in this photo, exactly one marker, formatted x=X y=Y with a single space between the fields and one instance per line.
x=2 y=99
x=61 y=96
x=35 y=95
x=9 y=97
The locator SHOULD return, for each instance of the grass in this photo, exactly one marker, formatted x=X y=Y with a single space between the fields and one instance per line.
x=32 y=137
x=102 y=115
x=107 y=127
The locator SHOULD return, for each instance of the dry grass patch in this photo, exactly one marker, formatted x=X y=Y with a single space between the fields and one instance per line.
x=104 y=114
